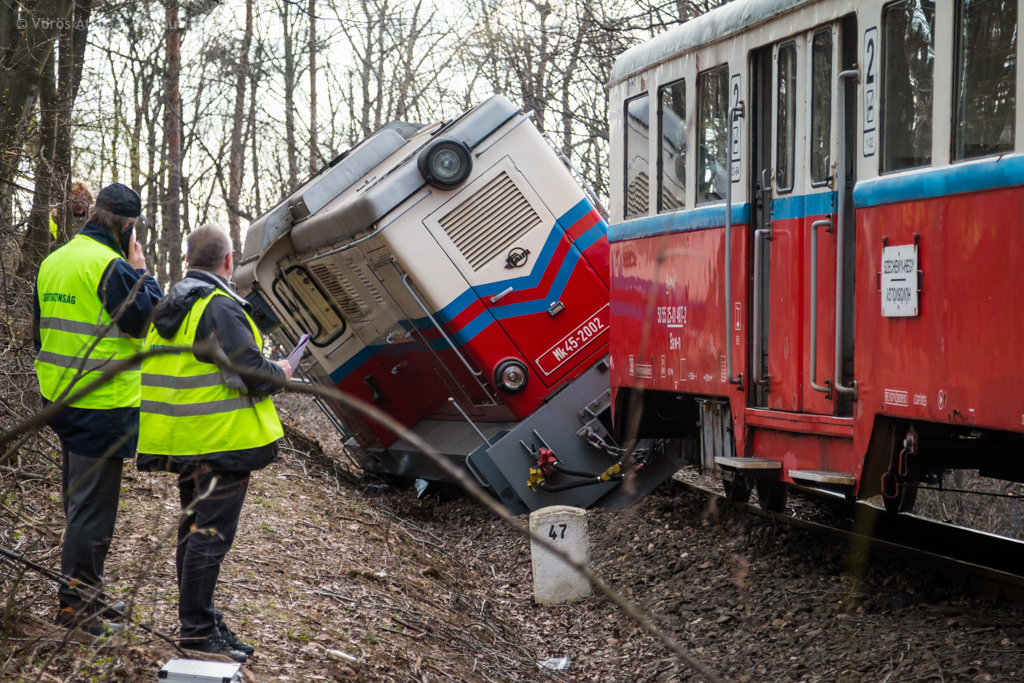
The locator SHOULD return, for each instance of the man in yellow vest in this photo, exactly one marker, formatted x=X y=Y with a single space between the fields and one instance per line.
x=209 y=425
x=85 y=317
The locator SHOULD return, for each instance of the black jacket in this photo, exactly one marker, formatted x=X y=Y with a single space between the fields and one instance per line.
x=112 y=432
x=225 y=317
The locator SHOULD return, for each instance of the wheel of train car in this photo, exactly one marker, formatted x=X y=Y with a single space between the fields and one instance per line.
x=772 y=495
x=737 y=490
x=904 y=499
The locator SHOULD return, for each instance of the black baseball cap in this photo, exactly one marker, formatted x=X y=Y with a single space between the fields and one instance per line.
x=120 y=200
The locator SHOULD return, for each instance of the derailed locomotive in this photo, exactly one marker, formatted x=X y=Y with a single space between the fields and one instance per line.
x=456 y=276
x=824 y=292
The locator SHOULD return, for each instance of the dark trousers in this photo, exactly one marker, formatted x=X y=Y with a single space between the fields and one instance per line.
x=91 y=489
x=205 y=534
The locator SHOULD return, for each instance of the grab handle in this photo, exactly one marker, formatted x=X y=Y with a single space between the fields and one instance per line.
x=827 y=389
x=760 y=378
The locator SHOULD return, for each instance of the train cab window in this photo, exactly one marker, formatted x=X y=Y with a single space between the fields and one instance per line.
x=785 y=141
x=672 y=149
x=637 y=153
x=821 y=105
x=712 y=134
x=985 y=102
x=308 y=305
x=908 y=65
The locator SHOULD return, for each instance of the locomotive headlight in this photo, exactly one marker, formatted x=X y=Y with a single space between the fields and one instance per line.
x=445 y=164
x=511 y=376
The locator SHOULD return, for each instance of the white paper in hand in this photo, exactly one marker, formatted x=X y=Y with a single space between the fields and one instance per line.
x=295 y=356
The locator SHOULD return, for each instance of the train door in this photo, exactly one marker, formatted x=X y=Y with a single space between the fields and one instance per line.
x=795 y=245
x=828 y=189
x=817 y=221
x=777 y=243
x=761 y=158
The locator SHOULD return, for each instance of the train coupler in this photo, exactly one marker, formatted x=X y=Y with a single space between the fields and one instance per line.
x=898 y=468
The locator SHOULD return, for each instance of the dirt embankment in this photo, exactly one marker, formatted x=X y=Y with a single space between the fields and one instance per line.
x=426 y=590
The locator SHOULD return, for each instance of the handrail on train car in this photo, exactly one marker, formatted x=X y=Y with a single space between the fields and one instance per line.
x=734 y=111
x=837 y=379
x=476 y=374
x=827 y=389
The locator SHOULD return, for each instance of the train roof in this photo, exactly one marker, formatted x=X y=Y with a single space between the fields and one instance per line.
x=327 y=208
x=717 y=24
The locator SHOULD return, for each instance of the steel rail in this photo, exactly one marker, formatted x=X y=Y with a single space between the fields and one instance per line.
x=985 y=549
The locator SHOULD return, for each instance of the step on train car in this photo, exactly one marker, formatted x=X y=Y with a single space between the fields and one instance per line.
x=825 y=290
x=456 y=276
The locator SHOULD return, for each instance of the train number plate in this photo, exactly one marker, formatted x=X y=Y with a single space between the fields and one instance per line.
x=899 y=281
x=589 y=330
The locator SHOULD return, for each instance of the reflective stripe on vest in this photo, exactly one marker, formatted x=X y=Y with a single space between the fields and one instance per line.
x=188 y=410
x=79 y=338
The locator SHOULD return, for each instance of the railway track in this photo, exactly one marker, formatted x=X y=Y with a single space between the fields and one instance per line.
x=992 y=566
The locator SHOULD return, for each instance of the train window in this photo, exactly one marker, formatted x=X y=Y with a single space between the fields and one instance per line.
x=712 y=134
x=309 y=306
x=638 y=150
x=821 y=105
x=985 y=102
x=672 y=150
x=908 y=64
x=785 y=141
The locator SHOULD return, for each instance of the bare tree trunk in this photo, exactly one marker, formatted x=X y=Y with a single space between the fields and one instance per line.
x=314 y=162
x=36 y=243
x=237 y=150
x=289 y=99
x=171 y=238
x=148 y=233
x=254 y=81
x=23 y=55
x=72 y=59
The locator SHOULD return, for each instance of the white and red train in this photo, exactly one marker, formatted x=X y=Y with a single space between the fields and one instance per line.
x=456 y=275
x=822 y=292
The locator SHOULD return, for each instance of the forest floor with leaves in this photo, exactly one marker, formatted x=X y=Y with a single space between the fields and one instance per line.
x=429 y=590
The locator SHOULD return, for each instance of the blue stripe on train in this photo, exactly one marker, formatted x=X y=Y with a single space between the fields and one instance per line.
x=975 y=176
x=783 y=208
x=680 y=221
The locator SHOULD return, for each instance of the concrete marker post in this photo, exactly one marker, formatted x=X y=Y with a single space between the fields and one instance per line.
x=555 y=582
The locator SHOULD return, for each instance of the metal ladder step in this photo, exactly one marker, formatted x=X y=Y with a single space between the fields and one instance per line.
x=823 y=477
x=748 y=463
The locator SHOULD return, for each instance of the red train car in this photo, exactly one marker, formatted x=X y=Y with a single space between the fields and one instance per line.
x=824 y=290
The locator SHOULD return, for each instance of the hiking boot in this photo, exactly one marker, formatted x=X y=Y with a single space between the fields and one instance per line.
x=231 y=639
x=115 y=611
x=214 y=646
x=93 y=625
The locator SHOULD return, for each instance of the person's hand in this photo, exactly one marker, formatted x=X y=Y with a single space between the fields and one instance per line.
x=284 y=365
x=135 y=256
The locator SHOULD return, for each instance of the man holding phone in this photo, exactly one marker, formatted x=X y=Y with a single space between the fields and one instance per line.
x=87 y=316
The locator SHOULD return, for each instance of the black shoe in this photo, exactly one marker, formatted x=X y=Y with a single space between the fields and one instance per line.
x=215 y=646
x=231 y=639
x=115 y=611
x=94 y=626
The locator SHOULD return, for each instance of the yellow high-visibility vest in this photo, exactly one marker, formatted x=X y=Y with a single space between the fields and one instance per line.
x=187 y=409
x=73 y=320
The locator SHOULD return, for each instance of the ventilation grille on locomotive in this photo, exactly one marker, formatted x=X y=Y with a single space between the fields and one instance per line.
x=346 y=297
x=490 y=221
